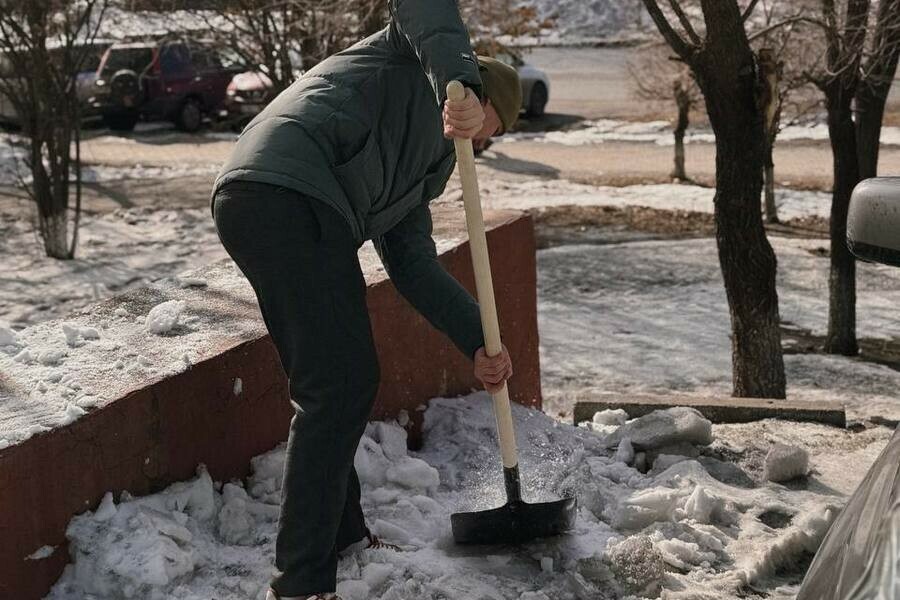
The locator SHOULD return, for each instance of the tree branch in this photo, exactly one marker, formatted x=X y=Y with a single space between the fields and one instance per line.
x=685 y=22
x=678 y=44
x=749 y=10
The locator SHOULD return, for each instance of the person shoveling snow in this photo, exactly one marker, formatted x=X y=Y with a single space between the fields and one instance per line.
x=354 y=150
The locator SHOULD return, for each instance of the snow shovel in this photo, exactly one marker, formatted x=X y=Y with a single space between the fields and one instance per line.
x=516 y=521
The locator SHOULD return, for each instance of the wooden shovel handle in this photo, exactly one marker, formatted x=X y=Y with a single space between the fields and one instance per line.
x=465 y=160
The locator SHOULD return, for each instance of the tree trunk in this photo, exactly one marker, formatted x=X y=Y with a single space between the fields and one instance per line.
x=770 y=208
x=841 y=337
x=727 y=76
x=684 y=110
x=870 y=104
x=748 y=267
x=76 y=218
x=873 y=90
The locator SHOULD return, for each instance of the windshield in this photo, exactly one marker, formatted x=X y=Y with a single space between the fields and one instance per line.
x=135 y=59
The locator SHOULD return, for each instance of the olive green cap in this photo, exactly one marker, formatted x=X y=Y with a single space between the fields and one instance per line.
x=502 y=87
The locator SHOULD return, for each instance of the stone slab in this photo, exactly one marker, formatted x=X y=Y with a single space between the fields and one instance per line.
x=717 y=410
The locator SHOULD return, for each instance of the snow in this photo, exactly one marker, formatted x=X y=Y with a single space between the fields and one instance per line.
x=677 y=530
x=118 y=251
x=637 y=564
x=784 y=463
x=41 y=553
x=14 y=171
x=589 y=21
x=186 y=282
x=660 y=133
x=163 y=318
x=50 y=383
x=75 y=335
x=101 y=350
x=664 y=427
x=8 y=337
x=610 y=417
x=71 y=413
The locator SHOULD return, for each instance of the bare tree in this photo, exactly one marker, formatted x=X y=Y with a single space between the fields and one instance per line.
x=770 y=101
x=726 y=70
x=859 y=65
x=782 y=52
x=660 y=78
x=46 y=42
x=283 y=37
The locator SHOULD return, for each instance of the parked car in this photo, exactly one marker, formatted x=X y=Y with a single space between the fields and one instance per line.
x=250 y=91
x=535 y=83
x=178 y=81
x=247 y=94
x=84 y=80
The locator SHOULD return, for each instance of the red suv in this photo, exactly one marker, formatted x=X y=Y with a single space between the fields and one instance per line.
x=171 y=81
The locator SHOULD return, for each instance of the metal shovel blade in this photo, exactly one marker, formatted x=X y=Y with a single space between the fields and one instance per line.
x=514 y=522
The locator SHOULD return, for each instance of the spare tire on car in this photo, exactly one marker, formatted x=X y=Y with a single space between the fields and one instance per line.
x=125 y=93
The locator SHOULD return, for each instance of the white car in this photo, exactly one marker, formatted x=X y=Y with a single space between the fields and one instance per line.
x=535 y=84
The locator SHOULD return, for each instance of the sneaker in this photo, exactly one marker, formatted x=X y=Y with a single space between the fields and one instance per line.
x=370 y=541
x=377 y=544
x=273 y=595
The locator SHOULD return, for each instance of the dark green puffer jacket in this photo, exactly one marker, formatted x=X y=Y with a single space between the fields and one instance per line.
x=363 y=132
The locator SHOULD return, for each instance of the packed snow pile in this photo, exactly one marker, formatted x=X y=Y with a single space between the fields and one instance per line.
x=690 y=530
x=784 y=463
x=56 y=371
x=164 y=317
x=663 y=427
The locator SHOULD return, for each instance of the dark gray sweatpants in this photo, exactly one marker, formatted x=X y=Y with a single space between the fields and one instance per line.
x=301 y=259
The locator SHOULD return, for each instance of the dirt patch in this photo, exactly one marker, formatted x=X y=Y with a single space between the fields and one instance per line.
x=612 y=224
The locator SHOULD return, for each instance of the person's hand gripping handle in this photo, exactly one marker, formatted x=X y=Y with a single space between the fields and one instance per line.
x=465 y=159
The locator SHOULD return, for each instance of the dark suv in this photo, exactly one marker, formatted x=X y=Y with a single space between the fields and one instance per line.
x=170 y=81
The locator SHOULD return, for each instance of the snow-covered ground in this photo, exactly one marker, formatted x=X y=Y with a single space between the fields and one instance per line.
x=117 y=251
x=660 y=133
x=698 y=528
x=129 y=247
x=13 y=169
x=578 y=22
x=652 y=317
x=620 y=318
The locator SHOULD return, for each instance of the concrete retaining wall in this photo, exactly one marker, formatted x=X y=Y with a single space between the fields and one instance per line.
x=149 y=431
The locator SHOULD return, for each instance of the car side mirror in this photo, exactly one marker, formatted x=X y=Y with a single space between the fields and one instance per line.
x=873 y=223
